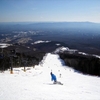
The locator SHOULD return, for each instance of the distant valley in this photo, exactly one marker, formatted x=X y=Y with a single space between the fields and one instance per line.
x=83 y=36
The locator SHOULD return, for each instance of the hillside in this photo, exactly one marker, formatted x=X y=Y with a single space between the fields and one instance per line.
x=35 y=83
x=30 y=55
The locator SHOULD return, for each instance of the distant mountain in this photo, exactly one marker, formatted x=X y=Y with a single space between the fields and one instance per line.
x=50 y=25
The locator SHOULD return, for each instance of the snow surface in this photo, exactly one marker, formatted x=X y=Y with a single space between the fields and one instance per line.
x=61 y=49
x=40 y=41
x=4 y=45
x=36 y=84
x=58 y=44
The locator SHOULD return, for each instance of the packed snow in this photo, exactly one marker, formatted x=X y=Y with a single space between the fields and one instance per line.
x=36 y=84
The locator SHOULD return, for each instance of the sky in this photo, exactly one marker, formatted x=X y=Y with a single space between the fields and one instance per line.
x=49 y=10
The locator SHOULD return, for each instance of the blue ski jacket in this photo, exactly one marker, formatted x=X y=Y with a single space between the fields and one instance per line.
x=53 y=77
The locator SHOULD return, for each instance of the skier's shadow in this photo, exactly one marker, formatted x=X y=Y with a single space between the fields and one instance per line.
x=49 y=83
x=53 y=83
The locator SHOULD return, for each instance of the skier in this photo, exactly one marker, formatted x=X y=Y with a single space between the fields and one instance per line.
x=53 y=78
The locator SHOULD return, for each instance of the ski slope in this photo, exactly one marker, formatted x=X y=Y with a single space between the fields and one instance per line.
x=36 y=84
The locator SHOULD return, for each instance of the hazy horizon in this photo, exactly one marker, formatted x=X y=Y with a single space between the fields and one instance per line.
x=53 y=22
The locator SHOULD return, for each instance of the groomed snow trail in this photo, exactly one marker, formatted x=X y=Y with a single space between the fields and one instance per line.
x=36 y=84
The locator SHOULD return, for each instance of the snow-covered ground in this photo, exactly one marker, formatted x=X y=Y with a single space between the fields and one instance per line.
x=36 y=84
x=40 y=41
